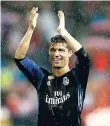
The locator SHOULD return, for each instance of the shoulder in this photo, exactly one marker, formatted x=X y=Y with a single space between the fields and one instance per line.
x=45 y=71
x=73 y=70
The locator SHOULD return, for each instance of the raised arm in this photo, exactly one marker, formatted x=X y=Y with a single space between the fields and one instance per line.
x=72 y=42
x=23 y=46
x=30 y=69
x=83 y=60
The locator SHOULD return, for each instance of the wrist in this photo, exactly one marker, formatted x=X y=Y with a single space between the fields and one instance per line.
x=31 y=28
x=63 y=32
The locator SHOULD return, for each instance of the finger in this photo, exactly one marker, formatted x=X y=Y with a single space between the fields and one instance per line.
x=60 y=12
x=33 y=8
x=59 y=16
x=36 y=9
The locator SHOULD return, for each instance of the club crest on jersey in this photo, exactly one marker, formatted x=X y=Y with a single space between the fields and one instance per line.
x=65 y=81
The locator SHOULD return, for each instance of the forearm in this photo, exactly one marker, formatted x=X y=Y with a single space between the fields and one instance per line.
x=23 y=46
x=72 y=42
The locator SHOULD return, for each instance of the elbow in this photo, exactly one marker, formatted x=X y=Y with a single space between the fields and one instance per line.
x=19 y=56
x=21 y=52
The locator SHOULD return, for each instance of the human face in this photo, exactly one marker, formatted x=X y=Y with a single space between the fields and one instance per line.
x=59 y=55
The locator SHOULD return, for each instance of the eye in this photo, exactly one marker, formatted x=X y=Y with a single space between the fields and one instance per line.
x=52 y=50
x=61 y=50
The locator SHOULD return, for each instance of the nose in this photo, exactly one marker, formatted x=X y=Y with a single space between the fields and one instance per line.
x=56 y=53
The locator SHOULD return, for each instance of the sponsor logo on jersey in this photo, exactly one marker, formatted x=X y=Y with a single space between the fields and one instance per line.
x=57 y=98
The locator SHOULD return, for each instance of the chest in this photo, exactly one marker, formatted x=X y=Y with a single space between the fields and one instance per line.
x=58 y=90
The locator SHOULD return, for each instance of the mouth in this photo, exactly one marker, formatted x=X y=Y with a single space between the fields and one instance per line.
x=57 y=59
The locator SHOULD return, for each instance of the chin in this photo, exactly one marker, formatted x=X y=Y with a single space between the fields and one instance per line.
x=58 y=66
x=54 y=65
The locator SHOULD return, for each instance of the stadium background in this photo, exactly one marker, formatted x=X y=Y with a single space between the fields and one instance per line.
x=88 y=22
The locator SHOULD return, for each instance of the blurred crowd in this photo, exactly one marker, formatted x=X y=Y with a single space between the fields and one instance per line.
x=88 y=22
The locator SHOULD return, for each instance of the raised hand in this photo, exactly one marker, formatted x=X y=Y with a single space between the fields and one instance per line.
x=33 y=18
x=61 y=21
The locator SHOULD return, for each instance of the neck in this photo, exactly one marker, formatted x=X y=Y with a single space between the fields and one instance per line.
x=60 y=71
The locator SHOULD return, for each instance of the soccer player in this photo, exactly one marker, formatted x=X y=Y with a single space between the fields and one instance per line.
x=61 y=93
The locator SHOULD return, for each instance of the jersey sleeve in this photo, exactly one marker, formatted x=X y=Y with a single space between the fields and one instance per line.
x=82 y=67
x=31 y=70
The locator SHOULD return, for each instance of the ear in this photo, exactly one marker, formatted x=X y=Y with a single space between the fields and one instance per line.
x=70 y=53
x=49 y=51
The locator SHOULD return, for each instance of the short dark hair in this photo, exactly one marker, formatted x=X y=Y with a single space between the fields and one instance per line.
x=58 y=39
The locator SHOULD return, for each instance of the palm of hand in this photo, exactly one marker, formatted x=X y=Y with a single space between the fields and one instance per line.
x=33 y=17
x=61 y=21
